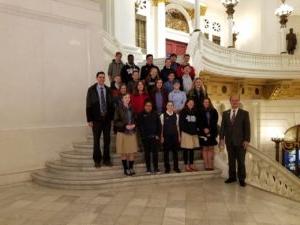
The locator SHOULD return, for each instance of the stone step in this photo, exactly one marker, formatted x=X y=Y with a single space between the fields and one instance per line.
x=90 y=137
x=44 y=177
x=73 y=156
x=60 y=167
x=88 y=147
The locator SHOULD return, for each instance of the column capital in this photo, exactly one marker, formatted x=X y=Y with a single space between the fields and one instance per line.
x=156 y=2
x=202 y=10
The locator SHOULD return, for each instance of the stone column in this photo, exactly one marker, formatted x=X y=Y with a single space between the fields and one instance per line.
x=230 y=31
x=159 y=28
x=283 y=21
x=230 y=12
x=197 y=15
x=125 y=22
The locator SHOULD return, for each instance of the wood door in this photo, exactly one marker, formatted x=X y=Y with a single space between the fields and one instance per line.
x=179 y=48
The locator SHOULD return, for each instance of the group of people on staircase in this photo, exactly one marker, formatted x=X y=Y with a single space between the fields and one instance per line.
x=166 y=109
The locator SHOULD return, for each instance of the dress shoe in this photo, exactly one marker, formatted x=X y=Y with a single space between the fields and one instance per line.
x=242 y=183
x=109 y=164
x=188 y=169
x=131 y=172
x=230 y=180
x=157 y=171
x=126 y=172
x=97 y=165
x=177 y=170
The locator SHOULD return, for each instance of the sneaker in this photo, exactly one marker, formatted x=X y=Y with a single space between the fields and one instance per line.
x=148 y=172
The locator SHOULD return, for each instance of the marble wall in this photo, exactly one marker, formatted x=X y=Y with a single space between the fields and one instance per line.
x=50 y=53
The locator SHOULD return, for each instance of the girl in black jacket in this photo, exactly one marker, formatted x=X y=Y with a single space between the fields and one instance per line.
x=208 y=120
x=150 y=128
x=189 y=134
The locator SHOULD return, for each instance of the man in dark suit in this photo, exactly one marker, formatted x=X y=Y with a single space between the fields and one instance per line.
x=235 y=128
x=99 y=116
x=291 y=42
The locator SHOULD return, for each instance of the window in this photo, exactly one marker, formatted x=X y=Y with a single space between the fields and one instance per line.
x=140 y=32
x=216 y=39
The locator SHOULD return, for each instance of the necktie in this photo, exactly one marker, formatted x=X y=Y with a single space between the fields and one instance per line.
x=233 y=116
x=102 y=100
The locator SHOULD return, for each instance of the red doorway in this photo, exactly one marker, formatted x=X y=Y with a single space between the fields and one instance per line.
x=176 y=47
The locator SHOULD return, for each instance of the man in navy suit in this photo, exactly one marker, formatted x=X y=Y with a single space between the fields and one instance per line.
x=235 y=128
x=99 y=113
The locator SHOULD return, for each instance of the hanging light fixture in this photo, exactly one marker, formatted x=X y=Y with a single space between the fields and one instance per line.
x=283 y=13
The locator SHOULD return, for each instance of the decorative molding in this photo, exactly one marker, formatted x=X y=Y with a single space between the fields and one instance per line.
x=191 y=12
x=156 y=2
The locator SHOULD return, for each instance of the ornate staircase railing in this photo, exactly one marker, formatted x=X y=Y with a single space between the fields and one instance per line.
x=213 y=58
x=269 y=175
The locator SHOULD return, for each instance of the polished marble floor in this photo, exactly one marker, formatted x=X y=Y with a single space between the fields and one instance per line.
x=208 y=202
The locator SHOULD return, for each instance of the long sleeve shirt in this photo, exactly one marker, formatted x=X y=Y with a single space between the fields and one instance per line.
x=178 y=98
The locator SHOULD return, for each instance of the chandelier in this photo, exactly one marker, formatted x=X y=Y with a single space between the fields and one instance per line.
x=284 y=9
x=230 y=2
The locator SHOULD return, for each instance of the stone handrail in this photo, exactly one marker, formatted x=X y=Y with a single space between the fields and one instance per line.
x=213 y=58
x=269 y=175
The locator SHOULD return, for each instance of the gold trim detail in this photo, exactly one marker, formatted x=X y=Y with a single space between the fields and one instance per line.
x=156 y=2
x=191 y=12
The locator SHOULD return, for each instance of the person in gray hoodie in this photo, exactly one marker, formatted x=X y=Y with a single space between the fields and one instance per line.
x=115 y=66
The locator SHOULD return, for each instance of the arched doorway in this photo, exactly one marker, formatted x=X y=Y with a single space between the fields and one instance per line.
x=178 y=26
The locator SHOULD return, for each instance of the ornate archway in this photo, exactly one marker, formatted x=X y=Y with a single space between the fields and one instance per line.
x=178 y=18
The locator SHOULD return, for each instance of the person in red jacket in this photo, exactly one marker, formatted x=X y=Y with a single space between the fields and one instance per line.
x=180 y=69
x=138 y=98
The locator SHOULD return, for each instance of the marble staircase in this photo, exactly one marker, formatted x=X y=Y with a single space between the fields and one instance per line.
x=75 y=170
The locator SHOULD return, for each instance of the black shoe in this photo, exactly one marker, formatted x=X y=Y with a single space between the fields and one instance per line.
x=157 y=171
x=230 y=180
x=243 y=183
x=109 y=164
x=177 y=170
x=126 y=172
x=167 y=170
x=97 y=165
x=131 y=172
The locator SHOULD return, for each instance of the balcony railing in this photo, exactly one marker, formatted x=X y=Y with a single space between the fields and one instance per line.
x=213 y=58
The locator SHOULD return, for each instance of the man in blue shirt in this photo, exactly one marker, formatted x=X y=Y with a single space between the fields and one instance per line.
x=99 y=113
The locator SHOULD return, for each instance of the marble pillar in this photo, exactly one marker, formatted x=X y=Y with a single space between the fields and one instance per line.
x=197 y=15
